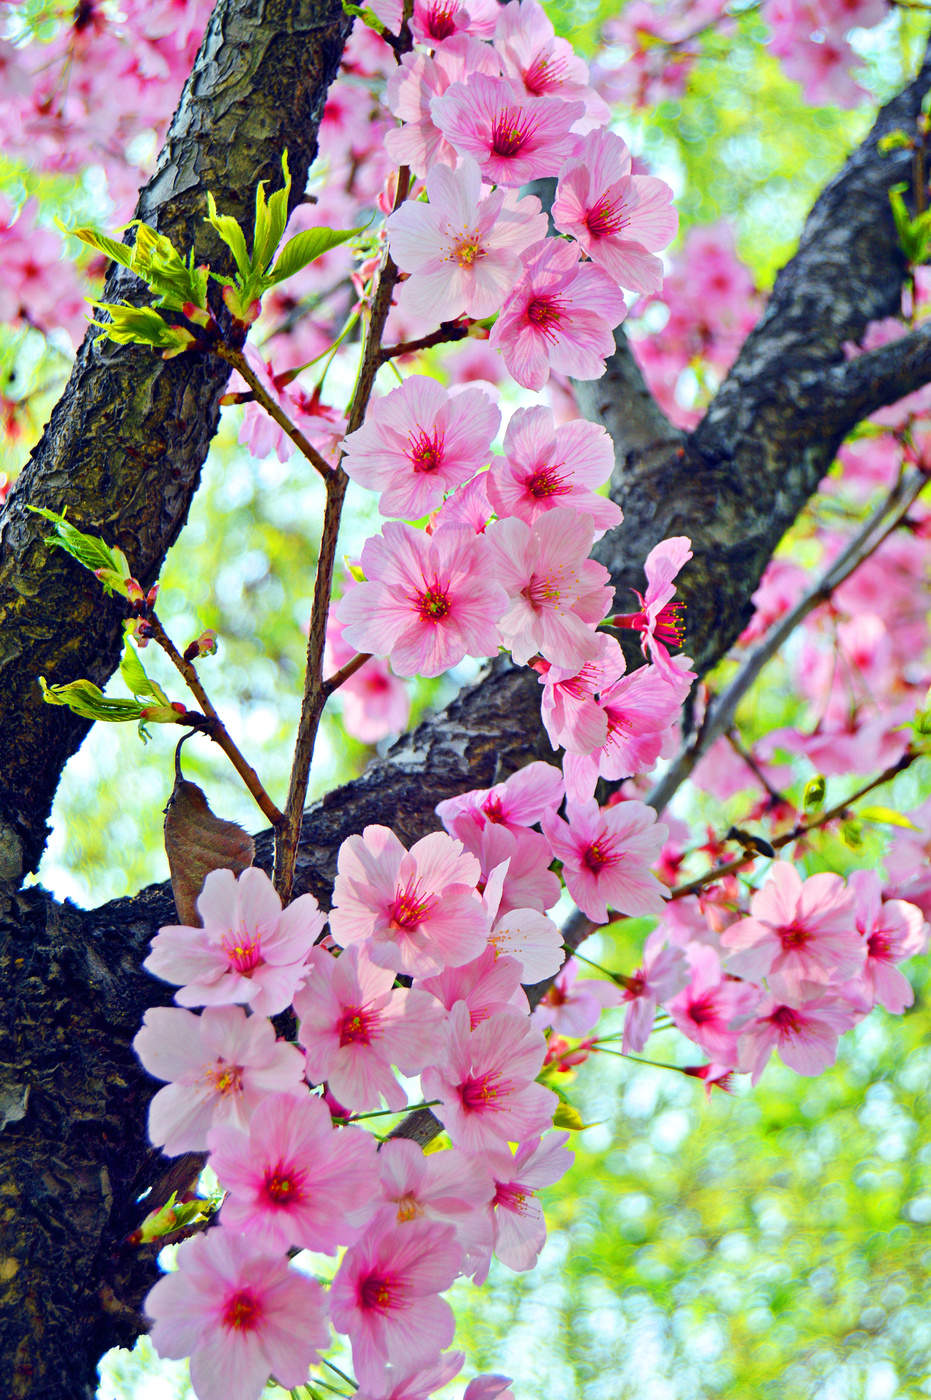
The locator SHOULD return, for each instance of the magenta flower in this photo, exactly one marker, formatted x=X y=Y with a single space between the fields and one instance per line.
x=560 y=316
x=710 y=1009
x=375 y=702
x=621 y=220
x=517 y=803
x=417 y=910
x=462 y=252
x=801 y=931
x=571 y=715
x=420 y=441
x=640 y=711
x=220 y=1066
x=519 y=1226
x=572 y=1005
x=557 y=594
x=385 y=1297
x=659 y=621
x=663 y=973
x=544 y=65
x=606 y=854
x=447 y=1187
x=513 y=137
x=249 y=949
x=804 y=1035
x=486 y=985
x=295 y=1179
x=412 y=86
x=893 y=930
x=529 y=882
x=544 y=466
x=354 y=1027
x=240 y=1314
x=485 y=1081
x=429 y=600
x=435 y=21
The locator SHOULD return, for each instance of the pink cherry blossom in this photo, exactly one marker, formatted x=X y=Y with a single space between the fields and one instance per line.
x=420 y=441
x=220 y=1066
x=658 y=620
x=526 y=935
x=892 y=930
x=437 y=20
x=543 y=64
x=519 y=1226
x=418 y=910
x=557 y=594
x=517 y=803
x=641 y=712
x=402 y=1383
x=571 y=715
x=354 y=1027
x=249 y=949
x=240 y=1314
x=486 y=985
x=803 y=1031
x=621 y=220
x=711 y=1007
x=560 y=316
x=462 y=251
x=573 y=1006
x=375 y=702
x=513 y=137
x=294 y=1179
x=529 y=883
x=428 y=600
x=803 y=931
x=385 y=1296
x=447 y=1187
x=606 y=854
x=418 y=78
x=545 y=466
x=662 y=974
x=485 y=1081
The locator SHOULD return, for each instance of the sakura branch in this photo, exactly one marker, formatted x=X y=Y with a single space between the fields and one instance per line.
x=237 y=360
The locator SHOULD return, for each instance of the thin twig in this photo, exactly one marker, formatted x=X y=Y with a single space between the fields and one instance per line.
x=351 y=667
x=447 y=332
x=239 y=362
x=216 y=728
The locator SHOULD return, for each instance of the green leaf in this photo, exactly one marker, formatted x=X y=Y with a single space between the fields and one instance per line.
x=813 y=796
x=885 y=816
x=232 y=236
x=174 y=279
x=116 y=252
x=305 y=248
x=852 y=835
x=133 y=673
x=142 y=325
x=893 y=141
x=88 y=700
x=568 y=1117
x=109 y=564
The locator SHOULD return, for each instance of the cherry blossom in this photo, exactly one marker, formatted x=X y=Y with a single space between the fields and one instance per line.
x=516 y=804
x=606 y=854
x=711 y=1007
x=661 y=976
x=513 y=137
x=893 y=931
x=803 y=1031
x=545 y=466
x=572 y=1006
x=419 y=142
x=519 y=1226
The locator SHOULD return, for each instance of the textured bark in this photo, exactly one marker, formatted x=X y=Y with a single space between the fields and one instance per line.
x=123 y=451
x=125 y=444
x=72 y=1152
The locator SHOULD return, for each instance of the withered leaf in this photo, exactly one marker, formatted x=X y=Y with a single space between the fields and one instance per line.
x=197 y=842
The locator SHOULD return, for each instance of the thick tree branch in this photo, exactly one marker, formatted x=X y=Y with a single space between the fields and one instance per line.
x=125 y=444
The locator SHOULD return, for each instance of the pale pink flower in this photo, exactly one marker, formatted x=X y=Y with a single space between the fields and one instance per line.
x=435 y=21
x=662 y=974
x=545 y=466
x=220 y=1065
x=893 y=930
x=402 y=1383
x=447 y=1187
x=413 y=84
x=802 y=931
x=519 y=1226
x=804 y=1034
x=513 y=137
x=468 y=506
x=621 y=220
x=659 y=620
x=354 y=1027
x=641 y=712
x=249 y=949
x=417 y=910
x=240 y=1314
x=543 y=64
x=573 y=1006
x=428 y=600
x=606 y=854
x=517 y=803
x=420 y=441
x=526 y=935
x=374 y=701
x=486 y=985
x=529 y=882
x=908 y=860
x=486 y=1081
x=560 y=316
x=488 y=1387
x=557 y=594
x=711 y=1008
x=385 y=1296
x=571 y=715
x=462 y=251
x=294 y=1179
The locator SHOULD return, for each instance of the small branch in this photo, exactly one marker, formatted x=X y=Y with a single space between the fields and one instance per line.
x=734 y=740
x=216 y=728
x=351 y=667
x=316 y=693
x=878 y=377
x=720 y=713
x=447 y=332
x=711 y=877
x=239 y=362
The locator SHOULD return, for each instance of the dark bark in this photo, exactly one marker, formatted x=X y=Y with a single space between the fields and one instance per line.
x=125 y=444
x=72 y=1153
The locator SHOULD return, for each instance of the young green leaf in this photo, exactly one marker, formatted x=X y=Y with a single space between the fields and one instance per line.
x=116 y=252
x=232 y=236
x=110 y=565
x=305 y=248
x=88 y=700
x=133 y=673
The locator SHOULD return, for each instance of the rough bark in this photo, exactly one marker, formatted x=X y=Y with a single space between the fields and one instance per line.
x=72 y=1151
x=125 y=444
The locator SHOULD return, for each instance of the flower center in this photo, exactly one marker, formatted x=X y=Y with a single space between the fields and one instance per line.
x=786 y=1019
x=607 y=217
x=426 y=452
x=877 y=946
x=670 y=625
x=225 y=1078
x=793 y=936
x=282 y=1186
x=244 y=951
x=545 y=313
x=441 y=21
x=469 y=249
x=596 y=856
x=702 y=1010
x=410 y=907
x=408 y=1208
x=541 y=592
x=510 y=132
x=356 y=1027
x=243 y=1311
x=433 y=605
x=478 y=1094
x=375 y=1294
x=512 y=1196
x=547 y=481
